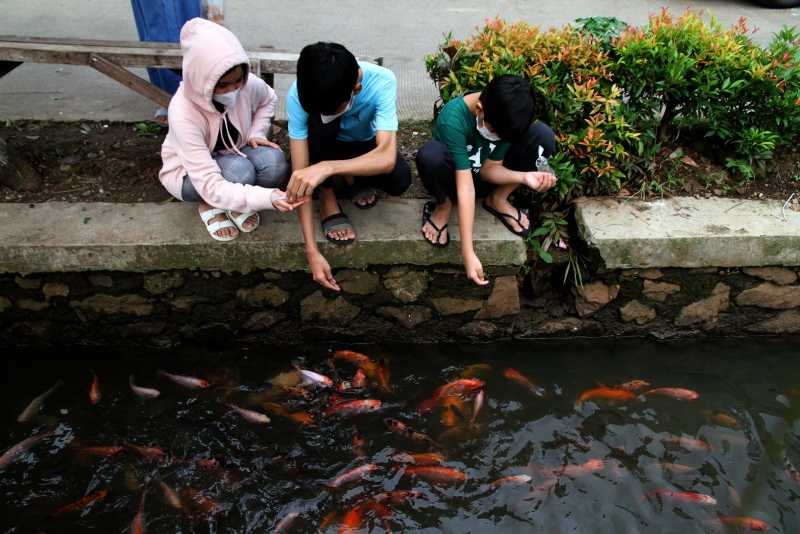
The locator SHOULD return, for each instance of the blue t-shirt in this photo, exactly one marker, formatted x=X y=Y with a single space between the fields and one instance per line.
x=374 y=107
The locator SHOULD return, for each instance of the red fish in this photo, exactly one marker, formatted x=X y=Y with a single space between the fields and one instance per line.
x=519 y=378
x=685 y=496
x=352 y=475
x=188 y=382
x=94 y=390
x=348 y=408
x=437 y=474
x=137 y=525
x=462 y=386
x=353 y=520
x=81 y=503
x=21 y=448
x=149 y=453
x=419 y=458
x=749 y=523
x=170 y=497
x=101 y=451
x=605 y=393
x=675 y=393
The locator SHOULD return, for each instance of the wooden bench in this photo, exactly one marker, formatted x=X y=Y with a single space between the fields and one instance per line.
x=112 y=58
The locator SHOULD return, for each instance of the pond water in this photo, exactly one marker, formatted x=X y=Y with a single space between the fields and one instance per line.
x=630 y=463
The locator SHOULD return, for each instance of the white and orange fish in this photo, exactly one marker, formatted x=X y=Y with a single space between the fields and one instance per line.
x=250 y=415
x=683 y=496
x=355 y=407
x=462 y=386
x=189 y=382
x=311 y=378
x=512 y=479
x=674 y=393
x=352 y=475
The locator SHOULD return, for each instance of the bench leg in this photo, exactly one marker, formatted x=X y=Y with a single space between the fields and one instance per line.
x=8 y=66
x=130 y=80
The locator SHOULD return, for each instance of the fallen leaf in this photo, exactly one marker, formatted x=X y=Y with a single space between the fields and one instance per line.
x=689 y=161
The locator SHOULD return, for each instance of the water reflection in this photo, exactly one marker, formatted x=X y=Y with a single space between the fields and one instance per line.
x=533 y=459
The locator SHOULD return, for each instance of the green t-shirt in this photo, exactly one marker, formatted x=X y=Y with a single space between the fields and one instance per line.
x=456 y=128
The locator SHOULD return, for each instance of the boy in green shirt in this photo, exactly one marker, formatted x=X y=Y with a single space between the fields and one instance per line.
x=484 y=144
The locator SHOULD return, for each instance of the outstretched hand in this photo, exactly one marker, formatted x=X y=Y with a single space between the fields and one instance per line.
x=282 y=204
x=540 y=181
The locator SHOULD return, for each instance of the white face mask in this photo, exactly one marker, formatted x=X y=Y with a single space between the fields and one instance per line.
x=484 y=131
x=227 y=99
x=330 y=118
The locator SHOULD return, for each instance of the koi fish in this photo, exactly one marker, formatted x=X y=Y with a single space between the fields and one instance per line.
x=359 y=380
x=170 y=497
x=353 y=357
x=382 y=376
x=94 y=390
x=690 y=444
x=477 y=405
x=399 y=427
x=749 y=523
x=287 y=379
x=137 y=525
x=356 y=407
x=723 y=419
x=101 y=451
x=462 y=386
x=202 y=503
x=301 y=417
x=144 y=393
x=310 y=378
x=353 y=520
x=606 y=393
x=513 y=479
x=286 y=523
x=36 y=404
x=150 y=453
x=188 y=382
x=81 y=503
x=675 y=393
x=475 y=370
x=397 y=497
x=327 y=521
x=677 y=469
x=519 y=378
x=423 y=458
x=685 y=496
x=437 y=474
x=633 y=385
x=250 y=415
x=352 y=475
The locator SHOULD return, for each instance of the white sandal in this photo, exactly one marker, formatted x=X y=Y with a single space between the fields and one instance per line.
x=239 y=221
x=217 y=225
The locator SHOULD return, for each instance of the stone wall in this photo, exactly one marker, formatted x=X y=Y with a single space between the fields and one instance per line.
x=397 y=304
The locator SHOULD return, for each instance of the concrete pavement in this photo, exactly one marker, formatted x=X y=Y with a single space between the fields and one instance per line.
x=401 y=32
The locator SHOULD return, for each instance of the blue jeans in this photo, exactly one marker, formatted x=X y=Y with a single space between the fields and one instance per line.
x=264 y=166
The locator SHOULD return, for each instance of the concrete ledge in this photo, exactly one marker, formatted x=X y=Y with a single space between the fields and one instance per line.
x=690 y=232
x=64 y=237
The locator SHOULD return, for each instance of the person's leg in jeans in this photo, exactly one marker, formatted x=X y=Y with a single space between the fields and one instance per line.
x=522 y=156
x=436 y=170
x=270 y=165
x=234 y=169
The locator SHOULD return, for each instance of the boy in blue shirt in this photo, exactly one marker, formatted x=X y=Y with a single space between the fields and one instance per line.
x=342 y=135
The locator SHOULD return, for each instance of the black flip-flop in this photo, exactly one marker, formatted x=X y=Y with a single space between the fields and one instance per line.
x=503 y=216
x=427 y=211
x=365 y=193
x=337 y=221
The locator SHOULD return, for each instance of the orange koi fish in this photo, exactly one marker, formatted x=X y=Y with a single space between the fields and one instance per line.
x=605 y=393
x=519 y=378
x=101 y=451
x=21 y=448
x=352 y=475
x=94 y=390
x=690 y=444
x=723 y=419
x=356 y=407
x=399 y=427
x=749 y=523
x=675 y=393
x=513 y=479
x=633 y=385
x=301 y=417
x=475 y=370
x=437 y=474
x=685 y=496
x=353 y=357
x=149 y=453
x=203 y=504
x=188 y=382
x=170 y=497
x=462 y=386
x=137 y=525
x=420 y=458
x=81 y=503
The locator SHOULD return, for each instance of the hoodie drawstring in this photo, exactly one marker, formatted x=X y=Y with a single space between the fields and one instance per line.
x=230 y=137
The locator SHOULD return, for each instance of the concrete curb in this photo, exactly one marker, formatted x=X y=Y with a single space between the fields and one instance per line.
x=690 y=232
x=68 y=237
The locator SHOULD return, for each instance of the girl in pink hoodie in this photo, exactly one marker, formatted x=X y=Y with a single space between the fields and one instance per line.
x=217 y=152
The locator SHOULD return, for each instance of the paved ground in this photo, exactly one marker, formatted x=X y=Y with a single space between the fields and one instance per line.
x=403 y=32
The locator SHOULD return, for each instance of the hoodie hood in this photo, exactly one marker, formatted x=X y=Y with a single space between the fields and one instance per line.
x=209 y=51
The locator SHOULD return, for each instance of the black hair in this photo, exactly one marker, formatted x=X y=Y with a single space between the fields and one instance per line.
x=326 y=76
x=510 y=104
x=245 y=71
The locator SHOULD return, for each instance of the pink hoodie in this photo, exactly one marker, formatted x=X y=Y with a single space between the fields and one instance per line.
x=209 y=50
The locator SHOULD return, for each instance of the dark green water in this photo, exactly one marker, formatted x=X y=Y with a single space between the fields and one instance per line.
x=268 y=471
